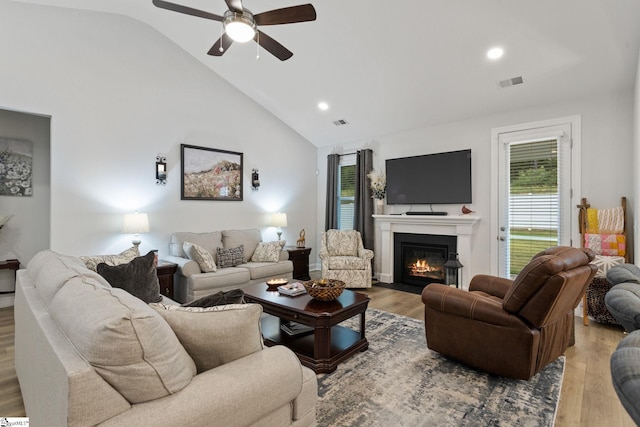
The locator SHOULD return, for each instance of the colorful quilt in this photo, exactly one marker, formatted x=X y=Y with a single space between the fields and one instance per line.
x=609 y=221
x=606 y=244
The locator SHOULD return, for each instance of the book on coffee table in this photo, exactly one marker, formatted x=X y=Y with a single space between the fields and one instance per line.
x=292 y=289
x=294 y=328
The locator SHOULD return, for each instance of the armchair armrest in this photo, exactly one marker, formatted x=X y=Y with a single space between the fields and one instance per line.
x=365 y=253
x=492 y=285
x=186 y=266
x=460 y=303
x=323 y=254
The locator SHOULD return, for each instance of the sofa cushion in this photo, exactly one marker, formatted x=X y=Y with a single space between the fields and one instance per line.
x=124 y=339
x=624 y=273
x=223 y=278
x=201 y=256
x=138 y=277
x=49 y=271
x=230 y=257
x=264 y=270
x=217 y=335
x=268 y=251
x=210 y=241
x=249 y=238
x=123 y=257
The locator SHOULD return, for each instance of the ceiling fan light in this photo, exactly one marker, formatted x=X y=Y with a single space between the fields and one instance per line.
x=239 y=27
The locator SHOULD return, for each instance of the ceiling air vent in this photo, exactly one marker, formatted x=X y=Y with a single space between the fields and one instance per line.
x=340 y=122
x=511 y=82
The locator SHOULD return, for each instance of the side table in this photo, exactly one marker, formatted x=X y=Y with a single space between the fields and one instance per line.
x=300 y=259
x=10 y=264
x=166 y=271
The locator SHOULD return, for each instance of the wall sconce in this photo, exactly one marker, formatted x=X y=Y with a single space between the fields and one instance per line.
x=255 y=180
x=161 y=170
x=451 y=270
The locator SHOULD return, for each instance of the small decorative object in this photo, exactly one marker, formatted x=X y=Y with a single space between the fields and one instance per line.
x=135 y=224
x=324 y=289
x=466 y=210
x=210 y=174
x=378 y=190
x=451 y=270
x=292 y=289
x=161 y=170
x=4 y=220
x=255 y=180
x=272 y=285
x=301 y=242
x=279 y=220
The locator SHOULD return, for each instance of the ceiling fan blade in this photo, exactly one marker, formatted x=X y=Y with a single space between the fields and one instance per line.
x=272 y=46
x=234 y=5
x=186 y=10
x=225 y=41
x=287 y=15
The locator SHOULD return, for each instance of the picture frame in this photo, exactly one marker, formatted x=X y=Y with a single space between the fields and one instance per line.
x=210 y=174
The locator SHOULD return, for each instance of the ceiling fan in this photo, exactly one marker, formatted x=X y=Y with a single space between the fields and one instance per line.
x=241 y=25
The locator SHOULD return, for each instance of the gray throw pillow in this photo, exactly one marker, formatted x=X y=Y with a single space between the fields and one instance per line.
x=234 y=296
x=230 y=257
x=138 y=277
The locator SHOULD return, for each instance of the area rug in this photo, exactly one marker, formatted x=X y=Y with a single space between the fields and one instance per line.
x=398 y=382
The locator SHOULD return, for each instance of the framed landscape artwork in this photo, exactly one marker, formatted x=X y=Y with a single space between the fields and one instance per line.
x=16 y=163
x=210 y=174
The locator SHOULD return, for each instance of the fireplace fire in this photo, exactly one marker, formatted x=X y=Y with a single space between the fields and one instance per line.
x=420 y=258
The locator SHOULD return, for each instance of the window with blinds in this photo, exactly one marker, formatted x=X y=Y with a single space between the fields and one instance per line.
x=533 y=200
x=346 y=192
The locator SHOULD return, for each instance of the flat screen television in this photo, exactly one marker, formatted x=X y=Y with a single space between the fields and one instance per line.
x=442 y=178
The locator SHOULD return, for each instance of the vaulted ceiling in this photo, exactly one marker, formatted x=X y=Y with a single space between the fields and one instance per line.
x=387 y=67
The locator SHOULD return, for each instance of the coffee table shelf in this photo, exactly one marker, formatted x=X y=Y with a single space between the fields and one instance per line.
x=330 y=343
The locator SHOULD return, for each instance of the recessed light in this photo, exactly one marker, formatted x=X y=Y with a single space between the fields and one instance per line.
x=323 y=106
x=495 y=53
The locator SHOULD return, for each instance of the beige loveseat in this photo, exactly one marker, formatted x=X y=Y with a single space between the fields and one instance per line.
x=88 y=354
x=191 y=282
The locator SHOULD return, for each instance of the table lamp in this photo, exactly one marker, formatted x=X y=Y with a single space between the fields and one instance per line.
x=135 y=224
x=279 y=220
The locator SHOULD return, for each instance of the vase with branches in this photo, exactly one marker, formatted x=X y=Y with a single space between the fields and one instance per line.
x=378 y=190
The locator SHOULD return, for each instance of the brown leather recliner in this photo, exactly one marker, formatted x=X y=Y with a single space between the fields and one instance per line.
x=511 y=328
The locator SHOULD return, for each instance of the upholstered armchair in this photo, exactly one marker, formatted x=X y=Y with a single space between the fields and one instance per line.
x=344 y=258
x=511 y=328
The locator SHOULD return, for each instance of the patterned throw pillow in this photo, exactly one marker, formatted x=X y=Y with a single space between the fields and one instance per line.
x=268 y=251
x=201 y=256
x=230 y=257
x=604 y=263
x=122 y=258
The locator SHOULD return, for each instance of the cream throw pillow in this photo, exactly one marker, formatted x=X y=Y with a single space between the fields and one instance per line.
x=268 y=251
x=201 y=256
x=216 y=335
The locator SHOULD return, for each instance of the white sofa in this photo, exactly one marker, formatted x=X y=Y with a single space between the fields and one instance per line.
x=191 y=283
x=89 y=354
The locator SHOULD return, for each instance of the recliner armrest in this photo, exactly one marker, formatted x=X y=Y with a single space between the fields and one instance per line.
x=493 y=285
x=458 y=302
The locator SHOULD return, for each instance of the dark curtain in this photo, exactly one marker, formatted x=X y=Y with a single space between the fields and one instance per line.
x=331 y=217
x=363 y=222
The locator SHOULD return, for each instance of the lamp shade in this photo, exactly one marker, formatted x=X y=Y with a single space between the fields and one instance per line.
x=135 y=223
x=279 y=220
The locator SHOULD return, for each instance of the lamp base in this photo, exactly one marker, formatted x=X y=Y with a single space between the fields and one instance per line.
x=279 y=234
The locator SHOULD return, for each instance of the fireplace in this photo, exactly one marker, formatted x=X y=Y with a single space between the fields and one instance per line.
x=419 y=258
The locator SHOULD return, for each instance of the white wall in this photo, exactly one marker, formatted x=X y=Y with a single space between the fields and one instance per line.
x=606 y=157
x=118 y=94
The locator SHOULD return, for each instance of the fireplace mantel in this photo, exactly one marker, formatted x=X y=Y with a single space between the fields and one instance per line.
x=461 y=226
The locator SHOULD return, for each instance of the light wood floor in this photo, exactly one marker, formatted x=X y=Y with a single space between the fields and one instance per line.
x=587 y=398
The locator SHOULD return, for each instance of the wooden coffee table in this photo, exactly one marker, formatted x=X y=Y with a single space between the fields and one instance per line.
x=330 y=343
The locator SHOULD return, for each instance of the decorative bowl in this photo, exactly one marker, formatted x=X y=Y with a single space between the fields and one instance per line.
x=273 y=284
x=324 y=289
